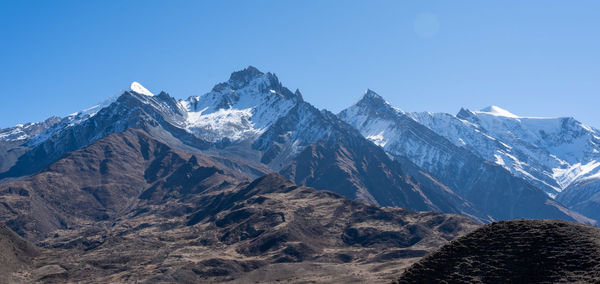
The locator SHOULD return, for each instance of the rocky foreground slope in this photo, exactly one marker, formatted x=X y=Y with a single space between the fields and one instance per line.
x=519 y=251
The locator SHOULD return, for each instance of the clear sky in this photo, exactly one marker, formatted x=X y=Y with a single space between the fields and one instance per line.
x=534 y=58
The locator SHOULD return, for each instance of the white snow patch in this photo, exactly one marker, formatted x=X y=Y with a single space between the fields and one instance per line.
x=233 y=124
x=497 y=111
x=378 y=139
x=499 y=160
x=138 y=88
x=577 y=171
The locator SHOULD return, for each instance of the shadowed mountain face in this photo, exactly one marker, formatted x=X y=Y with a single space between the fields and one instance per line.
x=520 y=251
x=344 y=162
x=100 y=182
x=157 y=115
x=362 y=171
x=130 y=208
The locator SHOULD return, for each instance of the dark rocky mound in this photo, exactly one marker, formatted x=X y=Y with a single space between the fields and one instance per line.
x=519 y=251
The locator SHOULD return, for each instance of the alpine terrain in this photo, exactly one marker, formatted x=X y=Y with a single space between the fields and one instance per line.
x=250 y=183
x=455 y=160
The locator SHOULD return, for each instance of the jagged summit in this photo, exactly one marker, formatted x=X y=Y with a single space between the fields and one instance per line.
x=138 y=88
x=246 y=75
x=465 y=113
x=240 y=108
x=298 y=95
x=240 y=79
x=373 y=101
x=240 y=82
x=371 y=95
x=497 y=111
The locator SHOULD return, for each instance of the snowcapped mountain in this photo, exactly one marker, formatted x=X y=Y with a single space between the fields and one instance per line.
x=471 y=136
x=160 y=115
x=12 y=139
x=22 y=132
x=561 y=153
x=241 y=108
x=450 y=158
x=467 y=164
x=570 y=149
x=252 y=118
x=558 y=155
x=236 y=112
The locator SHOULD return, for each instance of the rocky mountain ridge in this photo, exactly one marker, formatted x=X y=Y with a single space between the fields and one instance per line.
x=250 y=118
x=253 y=118
x=488 y=186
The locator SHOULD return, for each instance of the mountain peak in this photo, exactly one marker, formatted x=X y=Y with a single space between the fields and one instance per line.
x=242 y=77
x=298 y=95
x=465 y=113
x=497 y=111
x=138 y=88
x=372 y=99
x=370 y=94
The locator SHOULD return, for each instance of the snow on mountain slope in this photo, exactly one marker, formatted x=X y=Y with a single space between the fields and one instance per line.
x=471 y=136
x=253 y=118
x=566 y=138
x=562 y=148
x=497 y=111
x=12 y=140
x=558 y=155
x=159 y=115
x=23 y=132
x=79 y=117
x=490 y=187
x=138 y=88
x=392 y=129
x=241 y=108
x=236 y=112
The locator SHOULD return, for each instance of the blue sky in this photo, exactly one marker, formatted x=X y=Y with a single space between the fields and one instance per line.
x=534 y=58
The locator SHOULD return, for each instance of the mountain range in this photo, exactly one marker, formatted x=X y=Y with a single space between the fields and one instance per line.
x=488 y=165
x=223 y=184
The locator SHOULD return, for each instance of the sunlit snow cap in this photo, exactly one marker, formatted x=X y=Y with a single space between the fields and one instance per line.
x=138 y=88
